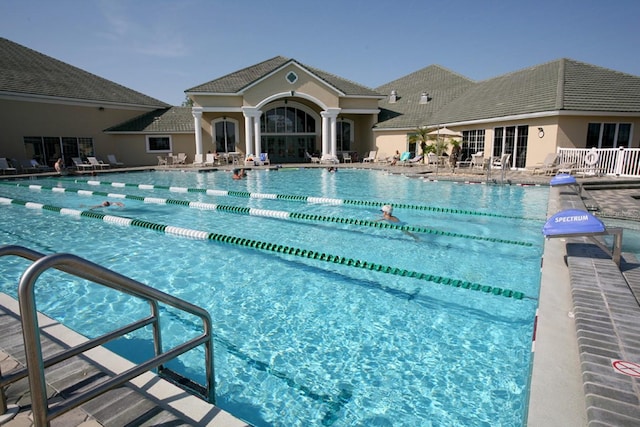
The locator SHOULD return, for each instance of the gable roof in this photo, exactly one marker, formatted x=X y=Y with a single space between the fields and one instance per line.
x=238 y=81
x=25 y=72
x=560 y=85
x=166 y=120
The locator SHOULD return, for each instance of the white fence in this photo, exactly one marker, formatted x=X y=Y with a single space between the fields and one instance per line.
x=624 y=162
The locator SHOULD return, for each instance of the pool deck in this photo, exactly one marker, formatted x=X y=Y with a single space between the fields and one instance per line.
x=587 y=318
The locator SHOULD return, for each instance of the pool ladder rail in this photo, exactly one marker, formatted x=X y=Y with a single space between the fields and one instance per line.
x=79 y=267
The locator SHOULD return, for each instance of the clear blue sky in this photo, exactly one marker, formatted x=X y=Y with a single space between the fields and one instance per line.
x=161 y=48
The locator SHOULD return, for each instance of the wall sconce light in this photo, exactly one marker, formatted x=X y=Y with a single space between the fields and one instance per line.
x=540 y=132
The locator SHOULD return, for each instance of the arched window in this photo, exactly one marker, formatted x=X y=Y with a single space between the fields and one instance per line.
x=287 y=119
x=225 y=134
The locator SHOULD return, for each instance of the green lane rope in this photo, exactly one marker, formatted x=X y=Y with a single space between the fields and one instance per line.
x=304 y=199
x=269 y=247
x=277 y=214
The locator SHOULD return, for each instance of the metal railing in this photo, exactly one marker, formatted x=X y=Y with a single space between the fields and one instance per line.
x=84 y=269
x=621 y=161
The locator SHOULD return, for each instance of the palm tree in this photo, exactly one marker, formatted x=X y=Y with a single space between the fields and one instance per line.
x=421 y=136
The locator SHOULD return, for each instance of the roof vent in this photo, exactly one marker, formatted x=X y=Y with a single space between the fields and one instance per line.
x=393 y=98
x=424 y=98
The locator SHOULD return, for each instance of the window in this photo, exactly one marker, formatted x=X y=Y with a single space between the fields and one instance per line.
x=159 y=144
x=472 y=142
x=511 y=140
x=608 y=135
x=344 y=134
x=286 y=119
x=48 y=149
x=225 y=132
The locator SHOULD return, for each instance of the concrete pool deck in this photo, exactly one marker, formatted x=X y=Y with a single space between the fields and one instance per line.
x=587 y=317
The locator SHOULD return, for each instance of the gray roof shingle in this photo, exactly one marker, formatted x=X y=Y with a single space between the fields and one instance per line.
x=25 y=71
x=169 y=120
x=563 y=84
x=237 y=81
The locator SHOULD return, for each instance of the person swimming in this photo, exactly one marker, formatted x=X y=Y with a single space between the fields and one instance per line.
x=106 y=204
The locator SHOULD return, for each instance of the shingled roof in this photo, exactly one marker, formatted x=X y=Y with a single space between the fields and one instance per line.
x=441 y=85
x=171 y=120
x=563 y=84
x=26 y=72
x=237 y=81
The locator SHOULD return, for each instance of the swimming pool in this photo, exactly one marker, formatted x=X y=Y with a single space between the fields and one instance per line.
x=306 y=341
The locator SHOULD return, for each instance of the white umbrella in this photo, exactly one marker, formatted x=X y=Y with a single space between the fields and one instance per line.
x=445 y=132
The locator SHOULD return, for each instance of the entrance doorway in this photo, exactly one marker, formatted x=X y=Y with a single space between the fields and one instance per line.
x=288 y=148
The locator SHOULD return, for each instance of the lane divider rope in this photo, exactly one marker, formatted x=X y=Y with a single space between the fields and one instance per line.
x=302 y=199
x=268 y=247
x=276 y=214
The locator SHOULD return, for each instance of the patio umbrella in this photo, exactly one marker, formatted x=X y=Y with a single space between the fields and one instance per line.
x=445 y=132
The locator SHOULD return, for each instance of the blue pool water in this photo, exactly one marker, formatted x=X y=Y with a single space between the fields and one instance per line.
x=300 y=341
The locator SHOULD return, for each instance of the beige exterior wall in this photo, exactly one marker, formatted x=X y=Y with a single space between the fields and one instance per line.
x=21 y=118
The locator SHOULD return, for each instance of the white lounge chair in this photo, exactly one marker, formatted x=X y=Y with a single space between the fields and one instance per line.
x=80 y=165
x=311 y=158
x=97 y=164
x=113 y=161
x=502 y=162
x=371 y=157
x=198 y=160
x=547 y=165
x=329 y=158
x=210 y=159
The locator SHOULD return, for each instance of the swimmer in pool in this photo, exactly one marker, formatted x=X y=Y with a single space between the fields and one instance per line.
x=387 y=215
x=106 y=204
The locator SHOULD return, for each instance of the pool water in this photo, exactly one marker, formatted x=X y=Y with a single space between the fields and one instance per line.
x=301 y=341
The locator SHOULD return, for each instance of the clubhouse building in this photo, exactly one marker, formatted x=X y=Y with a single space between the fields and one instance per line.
x=50 y=109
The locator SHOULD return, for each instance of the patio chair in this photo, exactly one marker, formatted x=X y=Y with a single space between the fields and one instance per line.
x=371 y=157
x=198 y=160
x=346 y=157
x=162 y=161
x=404 y=158
x=80 y=165
x=97 y=164
x=263 y=159
x=5 y=168
x=547 y=164
x=211 y=159
x=311 y=158
x=27 y=167
x=113 y=161
x=477 y=160
x=329 y=158
x=41 y=168
x=181 y=159
x=502 y=162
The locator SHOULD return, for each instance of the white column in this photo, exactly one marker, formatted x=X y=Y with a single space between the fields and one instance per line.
x=329 y=137
x=250 y=114
x=197 y=119
x=325 y=133
x=256 y=132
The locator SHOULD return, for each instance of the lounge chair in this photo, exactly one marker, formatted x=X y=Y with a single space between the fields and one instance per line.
x=80 y=165
x=346 y=157
x=415 y=160
x=113 y=161
x=502 y=162
x=5 y=168
x=547 y=164
x=180 y=159
x=27 y=167
x=371 y=157
x=404 y=158
x=97 y=164
x=41 y=168
x=198 y=160
x=329 y=158
x=162 y=161
x=311 y=158
x=211 y=159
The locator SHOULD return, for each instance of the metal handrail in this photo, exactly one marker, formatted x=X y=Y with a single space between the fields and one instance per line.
x=85 y=269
